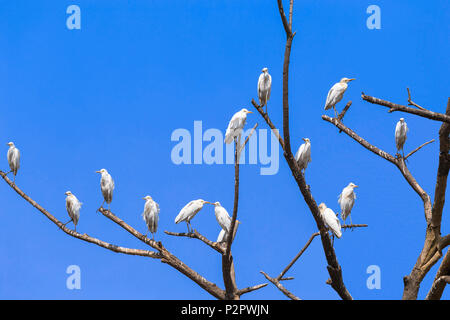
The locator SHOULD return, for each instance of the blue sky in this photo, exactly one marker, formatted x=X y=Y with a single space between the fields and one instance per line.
x=111 y=94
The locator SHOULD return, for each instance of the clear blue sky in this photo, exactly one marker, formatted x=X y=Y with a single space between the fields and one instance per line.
x=111 y=94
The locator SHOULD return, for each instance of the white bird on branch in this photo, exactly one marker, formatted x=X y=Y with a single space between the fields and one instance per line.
x=151 y=215
x=400 y=134
x=236 y=125
x=303 y=155
x=336 y=93
x=222 y=216
x=107 y=187
x=330 y=219
x=189 y=211
x=223 y=235
x=13 y=156
x=264 y=87
x=73 y=206
x=347 y=200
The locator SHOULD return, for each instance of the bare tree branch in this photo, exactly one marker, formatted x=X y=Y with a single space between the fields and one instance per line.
x=280 y=287
x=398 y=107
x=437 y=289
x=269 y=123
x=411 y=103
x=196 y=235
x=418 y=148
x=164 y=255
x=251 y=289
x=280 y=276
x=284 y=20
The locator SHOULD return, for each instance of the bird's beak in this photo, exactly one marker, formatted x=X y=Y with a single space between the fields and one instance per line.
x=303 y=139
x=208 y=202
x=352 y=79
x=249 y=111
x=143 y=198
x=97 y=171
x=356 y=187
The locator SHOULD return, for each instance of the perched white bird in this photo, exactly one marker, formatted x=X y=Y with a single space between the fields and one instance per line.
x=330 y=219
x=336 y=93
x=73 y=206
x=223 y=236
x=303 y=155
x=222 y=216
x=264 y=87
x=13 y=156
x=400 y=134
x=189 y=211
x=347 y=200
x=151 y=215
x=107 y=186
x=236 y=125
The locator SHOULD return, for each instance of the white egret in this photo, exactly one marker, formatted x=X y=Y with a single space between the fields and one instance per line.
x=13 y=156
x=400 y=134
x=73 y=206
x=151 y=215
x=347 y=200
x=107 y=187
x=189 y=211
x=330 y=219
x=236 y=125
x=223 y=236
x=336 y=93
x=222 y=216
x=303 y=155
x=264 y=87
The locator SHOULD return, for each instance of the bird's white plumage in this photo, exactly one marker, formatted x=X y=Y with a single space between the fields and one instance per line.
x=336 y=93
x=73 y=206
x=222 y=216
x=235 y=126
x=347 y=200
x=106 y=185
x=401 y=130
x=13 y=157
x=330 y=219
x=223 y=235
x=303 y=155
x=151 y=214
x=190 y=210
x=264 y=87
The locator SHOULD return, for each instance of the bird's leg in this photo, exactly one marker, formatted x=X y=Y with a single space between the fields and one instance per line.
x=109 y=207
x=102 y=204
x=66 y=223
x=351 y=223
x=153 y=236
x=188 y=224
x=335 y=112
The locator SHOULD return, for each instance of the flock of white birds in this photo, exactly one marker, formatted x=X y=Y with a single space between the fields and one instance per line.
x=233 y=133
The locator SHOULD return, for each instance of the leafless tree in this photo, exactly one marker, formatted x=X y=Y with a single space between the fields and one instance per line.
x=434 y=243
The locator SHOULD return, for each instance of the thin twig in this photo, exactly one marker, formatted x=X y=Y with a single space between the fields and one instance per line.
x=418 y=148
x=280 y=287
x=250 y=289
x=247 y=139
x=297 y=256
x=411 y=103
